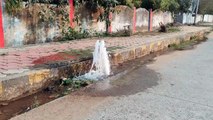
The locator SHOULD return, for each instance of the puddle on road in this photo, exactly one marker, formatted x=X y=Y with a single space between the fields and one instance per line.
x=133 y=82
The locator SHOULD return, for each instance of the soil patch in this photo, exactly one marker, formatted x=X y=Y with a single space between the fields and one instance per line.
x=54 y=58
x=70 y=55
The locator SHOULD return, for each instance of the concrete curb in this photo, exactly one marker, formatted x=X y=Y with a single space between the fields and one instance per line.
x=30 y=82
x=143 y=50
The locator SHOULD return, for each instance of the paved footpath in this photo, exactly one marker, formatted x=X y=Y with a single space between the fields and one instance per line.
x=19 y=60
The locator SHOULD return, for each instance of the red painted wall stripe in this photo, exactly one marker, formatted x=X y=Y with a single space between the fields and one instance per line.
x=72 y=13
x=1 y=27
x=134 y=20
x=110 y=26
x=150 y=20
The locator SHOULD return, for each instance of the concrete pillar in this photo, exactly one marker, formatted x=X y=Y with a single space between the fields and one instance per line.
x=72 y=13
x=1 y=27
x=110 y=25
x=150 y=20
x=134 y=20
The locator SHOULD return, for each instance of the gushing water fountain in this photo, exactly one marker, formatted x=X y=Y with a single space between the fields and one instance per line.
x=100 y=65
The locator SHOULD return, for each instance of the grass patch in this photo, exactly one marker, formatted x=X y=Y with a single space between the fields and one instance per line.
x=114 y=48
x=72 y=34
x=173 y=29
x=81 y=54
x=70 y=85
x=184 y=45
x=64 y=87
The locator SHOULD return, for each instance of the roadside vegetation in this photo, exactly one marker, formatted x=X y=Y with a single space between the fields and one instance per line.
x=70 y=84
x=172 y=29
x=186 y=45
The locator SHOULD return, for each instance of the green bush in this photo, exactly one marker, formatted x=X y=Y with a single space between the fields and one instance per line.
x=71 y=34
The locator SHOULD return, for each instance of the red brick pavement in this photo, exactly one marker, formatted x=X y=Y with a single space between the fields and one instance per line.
x=23 y=58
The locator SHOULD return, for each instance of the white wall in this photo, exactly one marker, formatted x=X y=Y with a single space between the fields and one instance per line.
x=199 y=18
x=142 y=17
x=208 y=18
x=164 y=17
x=187 y=18
x=122 y=17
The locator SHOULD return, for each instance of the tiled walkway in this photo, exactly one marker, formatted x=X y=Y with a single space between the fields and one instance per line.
x=17 y=60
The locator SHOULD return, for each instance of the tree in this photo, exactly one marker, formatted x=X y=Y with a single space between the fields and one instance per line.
x=206 y=7
x=157 y=4
x=130 y=3
x=165 y=5
x=147 y=4
x=13 y=6
x=169 y=5
x=184 y=5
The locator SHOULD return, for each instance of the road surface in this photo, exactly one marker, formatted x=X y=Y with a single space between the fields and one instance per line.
x=184 y=91
x=176 y=86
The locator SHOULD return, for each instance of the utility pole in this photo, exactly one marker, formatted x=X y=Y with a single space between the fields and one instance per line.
x=197 y=7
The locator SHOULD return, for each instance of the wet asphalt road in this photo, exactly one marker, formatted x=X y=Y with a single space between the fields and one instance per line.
x=184 y=89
